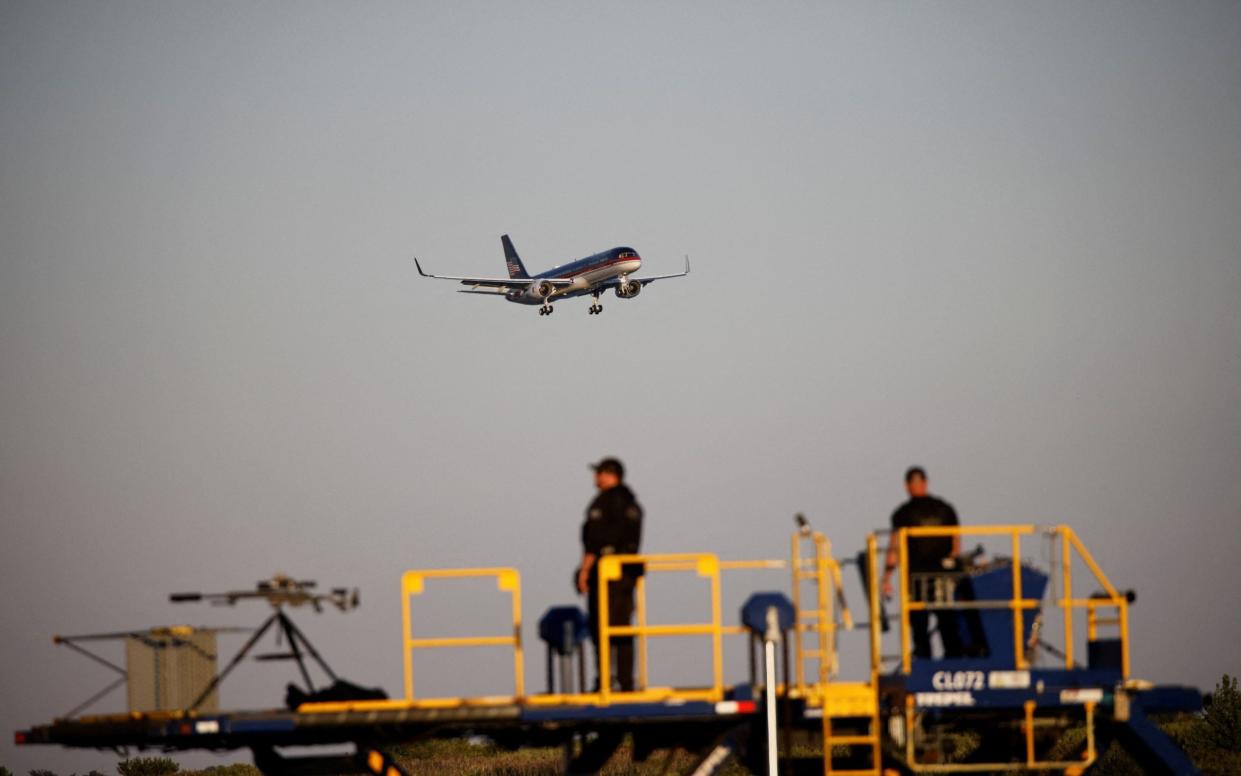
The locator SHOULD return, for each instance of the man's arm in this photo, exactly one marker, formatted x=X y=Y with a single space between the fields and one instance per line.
x=954 y=522
x=584 y=571
x=889 y=565
x=590 y=551
x=892 y=557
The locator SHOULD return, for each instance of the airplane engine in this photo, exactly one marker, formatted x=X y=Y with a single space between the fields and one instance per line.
x=629 y=289
x=540 y=290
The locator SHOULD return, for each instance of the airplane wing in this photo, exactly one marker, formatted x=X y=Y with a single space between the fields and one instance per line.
x=503 y=284
x=488 y=291
x=652 y=279
x=616 y=281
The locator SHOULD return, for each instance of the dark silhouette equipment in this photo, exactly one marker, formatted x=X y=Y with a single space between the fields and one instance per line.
x=279 y=591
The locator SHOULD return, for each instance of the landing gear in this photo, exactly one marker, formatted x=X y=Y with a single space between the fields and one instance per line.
x=546 y=309
x=595 y=308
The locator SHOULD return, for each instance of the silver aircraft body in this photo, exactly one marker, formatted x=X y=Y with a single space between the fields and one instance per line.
x=591 y=276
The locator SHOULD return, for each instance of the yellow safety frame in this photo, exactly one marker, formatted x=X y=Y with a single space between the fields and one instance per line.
x=507 y=580
x=1031 y=762
x=1068 y=543
x=662 y=565
x=824 y=572
x=706 y=565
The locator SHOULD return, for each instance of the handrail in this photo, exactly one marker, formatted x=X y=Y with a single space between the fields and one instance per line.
x=1069 y=542
x=1113 y=598
x=670 y=565
x=825 y=574
x=705 y=565
x=1031 y=762
x=1014 y=531
x=872 y=579
x=507 y=580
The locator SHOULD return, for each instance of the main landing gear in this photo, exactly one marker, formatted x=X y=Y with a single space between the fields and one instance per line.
x=546 y=309
x=595 y=308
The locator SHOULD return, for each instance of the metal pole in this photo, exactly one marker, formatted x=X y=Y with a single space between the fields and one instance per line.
x=551 y=685
x=643 y=673
x=565 y=657
x=290 y=633
x=769 y=679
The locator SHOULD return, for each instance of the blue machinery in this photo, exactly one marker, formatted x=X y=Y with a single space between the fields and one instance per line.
x=1015 y=703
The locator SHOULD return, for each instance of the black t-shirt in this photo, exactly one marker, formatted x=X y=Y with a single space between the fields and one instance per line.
x=613 y=524
x=926 y=553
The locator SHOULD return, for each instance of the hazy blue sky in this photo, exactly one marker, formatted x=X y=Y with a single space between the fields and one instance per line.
x=1001 y=240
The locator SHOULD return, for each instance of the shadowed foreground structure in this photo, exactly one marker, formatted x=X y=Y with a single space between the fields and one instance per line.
x=1014 y=702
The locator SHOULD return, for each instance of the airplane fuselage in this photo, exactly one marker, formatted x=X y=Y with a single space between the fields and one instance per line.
x=586 y=274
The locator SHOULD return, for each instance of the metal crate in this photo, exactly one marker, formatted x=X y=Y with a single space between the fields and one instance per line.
x=168 y=668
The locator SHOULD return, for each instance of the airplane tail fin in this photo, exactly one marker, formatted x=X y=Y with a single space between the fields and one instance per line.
x=515 y=268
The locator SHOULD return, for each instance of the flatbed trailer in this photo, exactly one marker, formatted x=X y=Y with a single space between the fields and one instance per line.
x=894 y=720
x=693 y=725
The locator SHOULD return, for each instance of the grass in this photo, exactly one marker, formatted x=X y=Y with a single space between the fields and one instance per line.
x=460 y=758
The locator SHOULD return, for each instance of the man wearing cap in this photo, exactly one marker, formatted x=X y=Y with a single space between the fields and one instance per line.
x=928 y=556
x=613 y=526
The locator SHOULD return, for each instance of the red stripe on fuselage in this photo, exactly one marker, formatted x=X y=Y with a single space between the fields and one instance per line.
x=593 y=267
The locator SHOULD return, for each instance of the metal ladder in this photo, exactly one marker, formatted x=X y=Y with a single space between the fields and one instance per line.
x=858 y=701
x=838 y=700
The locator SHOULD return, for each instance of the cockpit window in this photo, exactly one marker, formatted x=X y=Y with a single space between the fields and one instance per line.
x=628 y=255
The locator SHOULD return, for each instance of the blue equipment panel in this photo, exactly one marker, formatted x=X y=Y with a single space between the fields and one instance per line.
x=994 y=627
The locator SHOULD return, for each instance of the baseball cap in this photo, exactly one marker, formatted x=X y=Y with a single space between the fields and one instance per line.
x=610 y=465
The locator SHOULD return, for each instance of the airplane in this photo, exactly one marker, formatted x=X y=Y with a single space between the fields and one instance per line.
x=592 y=275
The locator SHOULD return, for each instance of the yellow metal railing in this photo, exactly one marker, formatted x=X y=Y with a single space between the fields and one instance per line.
x=823 y=619
x=507 y=580
x=705 y=565
x=872 y=580
x=643 y=654
x=1031 y=761
x=820 y=614
x=1068 y=543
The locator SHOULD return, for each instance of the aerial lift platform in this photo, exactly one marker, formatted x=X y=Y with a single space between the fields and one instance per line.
x=1017 y=703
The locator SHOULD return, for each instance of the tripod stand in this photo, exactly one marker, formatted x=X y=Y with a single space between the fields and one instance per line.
x=299 y=647
x=278 y=591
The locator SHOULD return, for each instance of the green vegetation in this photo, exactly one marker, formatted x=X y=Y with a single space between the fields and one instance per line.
x=459 y=758
x=236 y=769
x=1213 y=741
x=1223 y=715
x=148 y=766
x=157 y=766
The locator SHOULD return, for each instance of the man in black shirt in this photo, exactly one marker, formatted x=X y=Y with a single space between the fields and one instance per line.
x=613 y=526
x=927 y=555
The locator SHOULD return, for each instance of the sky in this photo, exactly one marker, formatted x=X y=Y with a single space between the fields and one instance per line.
x=999 y=240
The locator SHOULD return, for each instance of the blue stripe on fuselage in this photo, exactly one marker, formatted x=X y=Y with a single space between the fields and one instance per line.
x=581 y=266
